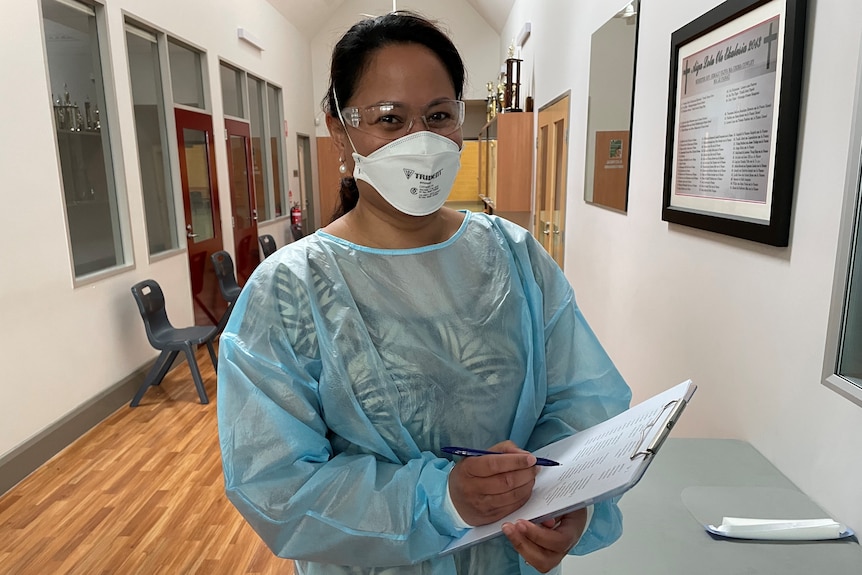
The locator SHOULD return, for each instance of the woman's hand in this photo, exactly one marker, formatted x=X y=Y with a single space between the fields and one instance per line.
x=544 y=545
x=486 y=488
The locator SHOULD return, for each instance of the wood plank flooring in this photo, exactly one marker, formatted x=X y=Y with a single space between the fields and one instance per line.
x=140 y=493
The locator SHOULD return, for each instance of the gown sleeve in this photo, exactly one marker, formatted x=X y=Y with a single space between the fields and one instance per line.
x=359 y=509
x=583 y=385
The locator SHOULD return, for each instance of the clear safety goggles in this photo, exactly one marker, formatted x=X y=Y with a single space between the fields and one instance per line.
x=392 y=120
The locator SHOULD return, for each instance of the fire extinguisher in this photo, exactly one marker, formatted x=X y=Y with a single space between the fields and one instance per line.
x=295 y=214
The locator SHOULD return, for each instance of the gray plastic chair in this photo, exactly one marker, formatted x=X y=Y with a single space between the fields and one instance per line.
x=227 y=284
x=267 y=244
x=170 y=340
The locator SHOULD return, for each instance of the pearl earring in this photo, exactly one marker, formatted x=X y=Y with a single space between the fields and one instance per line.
x=342 y=168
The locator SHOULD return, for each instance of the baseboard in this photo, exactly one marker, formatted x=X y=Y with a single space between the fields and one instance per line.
x=39 y=449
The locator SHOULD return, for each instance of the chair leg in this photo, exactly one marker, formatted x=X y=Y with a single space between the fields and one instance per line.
x=196 y=373
x=156 y=374
x=165 y=367
x=213 y=356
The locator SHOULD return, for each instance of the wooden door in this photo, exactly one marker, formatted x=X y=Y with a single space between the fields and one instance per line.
x=202 y=216
x=552 y=163
x=243 y=207
x=328 y=177
x=511 y=165
x=303 y=151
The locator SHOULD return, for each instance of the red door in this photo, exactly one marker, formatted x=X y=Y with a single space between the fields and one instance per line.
x=243 y=209
x=203 y=219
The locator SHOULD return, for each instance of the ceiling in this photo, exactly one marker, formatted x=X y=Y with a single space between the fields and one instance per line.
x=309 y=16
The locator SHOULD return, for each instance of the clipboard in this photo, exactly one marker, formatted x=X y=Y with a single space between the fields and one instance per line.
x=598 y=463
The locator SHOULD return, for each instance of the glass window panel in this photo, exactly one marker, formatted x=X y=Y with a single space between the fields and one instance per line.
x=239 y=182
x=261 y=183
x=850 y=365
x=559 y=163
x=200 y=189
x=231 y=90
x=151 y=132
x=75 y=72
x=276 y=148
x=186 y=76
x=544 y=139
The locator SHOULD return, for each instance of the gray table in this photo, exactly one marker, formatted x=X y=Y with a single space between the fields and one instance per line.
x=696 y=481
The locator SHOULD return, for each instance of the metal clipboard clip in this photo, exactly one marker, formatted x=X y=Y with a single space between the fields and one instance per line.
x=678 y=405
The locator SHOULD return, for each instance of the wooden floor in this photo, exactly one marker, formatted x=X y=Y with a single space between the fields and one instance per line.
x=141 y=493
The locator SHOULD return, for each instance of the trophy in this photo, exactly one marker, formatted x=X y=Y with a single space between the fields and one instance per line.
x=68 y=114
x=60 y=111
x=79 y=119
x=491 y=102
x=513 y=82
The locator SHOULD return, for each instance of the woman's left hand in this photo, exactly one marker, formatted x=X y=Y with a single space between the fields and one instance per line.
x=543 y=545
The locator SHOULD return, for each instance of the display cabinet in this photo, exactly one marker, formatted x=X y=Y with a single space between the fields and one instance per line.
x=505 y=163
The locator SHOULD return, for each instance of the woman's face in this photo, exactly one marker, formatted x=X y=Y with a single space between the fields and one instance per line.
x=409 y=74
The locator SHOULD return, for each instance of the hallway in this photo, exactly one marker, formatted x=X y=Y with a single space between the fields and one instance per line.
x=141 y=493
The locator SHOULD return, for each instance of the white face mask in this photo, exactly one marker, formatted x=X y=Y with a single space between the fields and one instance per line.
x=414 y=173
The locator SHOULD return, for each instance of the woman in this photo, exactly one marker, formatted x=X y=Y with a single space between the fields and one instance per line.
x=355 y=354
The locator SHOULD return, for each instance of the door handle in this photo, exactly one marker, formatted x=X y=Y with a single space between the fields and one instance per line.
x=547 y=230
x=189 y=233
x=254 y=215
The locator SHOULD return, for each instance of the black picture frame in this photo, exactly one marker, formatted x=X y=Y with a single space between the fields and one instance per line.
x=727 y=178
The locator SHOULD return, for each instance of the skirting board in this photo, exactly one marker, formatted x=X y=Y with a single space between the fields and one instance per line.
x=39 y=449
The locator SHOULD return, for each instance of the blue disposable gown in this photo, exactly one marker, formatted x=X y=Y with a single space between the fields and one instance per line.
x=345 y=369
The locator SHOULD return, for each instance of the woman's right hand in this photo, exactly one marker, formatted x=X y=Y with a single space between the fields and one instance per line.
x=487 y=488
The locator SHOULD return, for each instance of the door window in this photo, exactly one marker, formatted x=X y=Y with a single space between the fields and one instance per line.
x=242 y=200
x=200 y=189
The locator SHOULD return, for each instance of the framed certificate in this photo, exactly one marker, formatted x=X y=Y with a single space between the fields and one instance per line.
x=735 y=82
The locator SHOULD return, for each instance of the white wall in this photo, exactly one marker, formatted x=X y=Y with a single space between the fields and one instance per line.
x=472 y=35
x=746 y=321
x=63 y=345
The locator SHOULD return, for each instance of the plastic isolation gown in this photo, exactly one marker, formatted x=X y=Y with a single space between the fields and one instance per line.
x=345 y=369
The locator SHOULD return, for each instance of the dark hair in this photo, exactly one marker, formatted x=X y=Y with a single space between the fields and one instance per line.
x=350 y=59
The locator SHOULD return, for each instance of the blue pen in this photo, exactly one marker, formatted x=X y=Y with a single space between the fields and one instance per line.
x=467 y=452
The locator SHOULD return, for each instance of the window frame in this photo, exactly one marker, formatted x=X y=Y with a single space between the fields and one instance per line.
x=262 y=211
x=205 y=75
x=266 y=148
x=117 y=171
x=243 y=95
x=850 y=228
x=283 y=170
x=170 y=135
